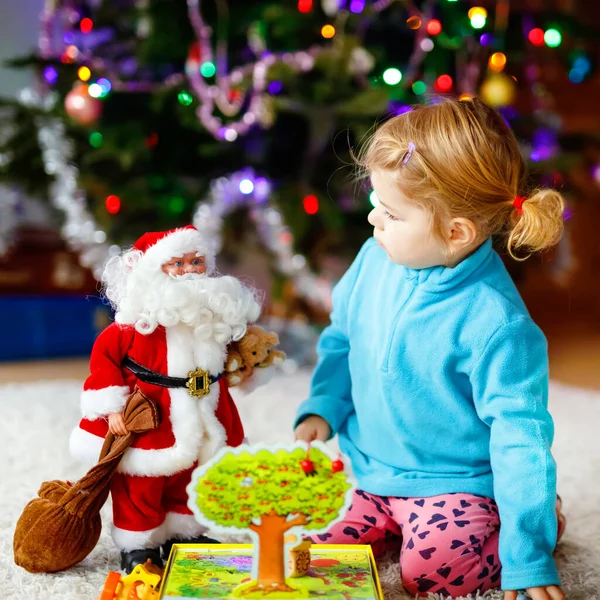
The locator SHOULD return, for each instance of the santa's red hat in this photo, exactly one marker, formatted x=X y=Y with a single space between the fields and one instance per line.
x=158 y=247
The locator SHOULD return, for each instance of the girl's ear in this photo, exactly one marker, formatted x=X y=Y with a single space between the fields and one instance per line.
x=462 y=233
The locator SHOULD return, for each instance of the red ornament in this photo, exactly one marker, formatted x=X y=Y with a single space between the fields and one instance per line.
x=337 y=466
x=311 y=204
x=86 y=25
x=233 y=95
x=304 y=6
x=434 y=27
x=194 y=60
x=307 y=466
x=152 y=140
x=113 y=206
x=536 y=36
x=443 y=84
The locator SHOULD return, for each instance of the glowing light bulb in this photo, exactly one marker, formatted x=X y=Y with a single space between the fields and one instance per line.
x=246 y=186
x=553 y=38
x=84 y=73
x=392 y=76
x=497 y=61
x=328 y=31
x=478 y=21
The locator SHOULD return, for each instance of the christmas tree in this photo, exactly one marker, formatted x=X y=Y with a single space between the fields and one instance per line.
x=146 y=108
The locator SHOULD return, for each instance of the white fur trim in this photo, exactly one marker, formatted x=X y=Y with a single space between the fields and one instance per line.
x=175 y=526
x=198 y=433
x=182 y=527
x=85 y=446
x=136 y=540
x=178 y=243
x=108 y=400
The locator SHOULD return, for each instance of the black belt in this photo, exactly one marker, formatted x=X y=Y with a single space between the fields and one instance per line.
x=197 y=382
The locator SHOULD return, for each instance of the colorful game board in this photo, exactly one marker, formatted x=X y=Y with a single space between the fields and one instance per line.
x=215 y=571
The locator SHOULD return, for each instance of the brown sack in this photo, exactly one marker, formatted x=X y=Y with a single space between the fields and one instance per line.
x=61 y=527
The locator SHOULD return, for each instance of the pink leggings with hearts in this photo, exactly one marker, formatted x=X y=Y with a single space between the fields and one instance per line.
x=449 y=543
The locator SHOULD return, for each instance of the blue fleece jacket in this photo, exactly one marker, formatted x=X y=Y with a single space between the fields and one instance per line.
x=436 y=381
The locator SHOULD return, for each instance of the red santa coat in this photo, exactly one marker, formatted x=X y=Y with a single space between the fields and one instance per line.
x=191 y=429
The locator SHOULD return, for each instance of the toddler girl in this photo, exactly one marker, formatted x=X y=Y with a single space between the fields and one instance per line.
x=433 y=374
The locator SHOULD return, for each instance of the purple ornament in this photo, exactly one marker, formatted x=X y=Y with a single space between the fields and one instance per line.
x=275 y=87
x=50 y=75
x=357 y=6
x=544 y=145
x=262 y=189
x=486 y=39
x=399 y=109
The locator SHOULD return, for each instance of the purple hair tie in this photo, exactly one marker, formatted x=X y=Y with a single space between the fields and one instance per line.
x=411 y=149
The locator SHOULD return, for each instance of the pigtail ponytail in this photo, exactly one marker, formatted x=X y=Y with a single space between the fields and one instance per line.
x=536 y=222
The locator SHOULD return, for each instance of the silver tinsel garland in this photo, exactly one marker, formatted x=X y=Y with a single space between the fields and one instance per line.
x=9 y=196
x=79 y=230
x=9 y=201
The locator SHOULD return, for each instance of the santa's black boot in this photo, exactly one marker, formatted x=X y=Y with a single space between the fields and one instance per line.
x=129 y=560
x=202 y=539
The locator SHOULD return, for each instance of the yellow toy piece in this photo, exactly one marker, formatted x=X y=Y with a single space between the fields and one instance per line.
x=298 y=557
x=143 y=583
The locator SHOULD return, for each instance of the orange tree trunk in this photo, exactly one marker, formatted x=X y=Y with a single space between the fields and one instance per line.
x=271 y=559
x=271 y=563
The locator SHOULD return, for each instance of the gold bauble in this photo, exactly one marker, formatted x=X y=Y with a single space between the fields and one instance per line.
x=498 y=90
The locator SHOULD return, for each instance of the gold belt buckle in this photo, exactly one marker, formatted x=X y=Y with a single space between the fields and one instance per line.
x=192 y=383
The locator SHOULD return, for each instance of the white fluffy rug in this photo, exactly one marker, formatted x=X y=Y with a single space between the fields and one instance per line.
x=37 y=418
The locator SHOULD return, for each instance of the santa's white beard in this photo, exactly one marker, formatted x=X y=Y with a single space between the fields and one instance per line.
x=217 y=308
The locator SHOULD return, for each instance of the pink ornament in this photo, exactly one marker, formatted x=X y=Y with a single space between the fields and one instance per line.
x=81 y=107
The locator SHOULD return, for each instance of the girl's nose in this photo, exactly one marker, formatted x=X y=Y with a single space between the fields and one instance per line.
x=374 y=219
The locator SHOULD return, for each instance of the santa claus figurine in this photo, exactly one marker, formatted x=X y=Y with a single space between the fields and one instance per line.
x=174 y=320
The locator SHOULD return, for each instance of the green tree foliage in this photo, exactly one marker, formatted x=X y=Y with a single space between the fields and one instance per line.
x=241 y=488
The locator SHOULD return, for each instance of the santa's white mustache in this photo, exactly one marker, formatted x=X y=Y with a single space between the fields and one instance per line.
x=187 y=276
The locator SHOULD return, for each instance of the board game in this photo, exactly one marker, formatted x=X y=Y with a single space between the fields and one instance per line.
x=337 y=572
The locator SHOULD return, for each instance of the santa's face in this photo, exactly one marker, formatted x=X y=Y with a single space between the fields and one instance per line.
x=189 y=263
x=147 y=295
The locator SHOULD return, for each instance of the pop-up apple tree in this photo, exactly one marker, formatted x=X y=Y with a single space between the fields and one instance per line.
x=270 y=491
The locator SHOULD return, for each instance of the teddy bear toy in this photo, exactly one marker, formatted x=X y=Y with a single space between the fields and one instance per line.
x=256 y=350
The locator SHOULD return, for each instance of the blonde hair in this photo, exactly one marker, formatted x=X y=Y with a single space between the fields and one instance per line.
x=465 y=163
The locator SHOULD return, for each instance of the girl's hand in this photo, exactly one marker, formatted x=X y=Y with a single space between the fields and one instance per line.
x=116 y=424
x=549 y=592
x=313 y=428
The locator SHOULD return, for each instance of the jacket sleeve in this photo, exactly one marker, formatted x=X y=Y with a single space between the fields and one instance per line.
x=510 y=390
x=330 y=393
x=104 y=391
